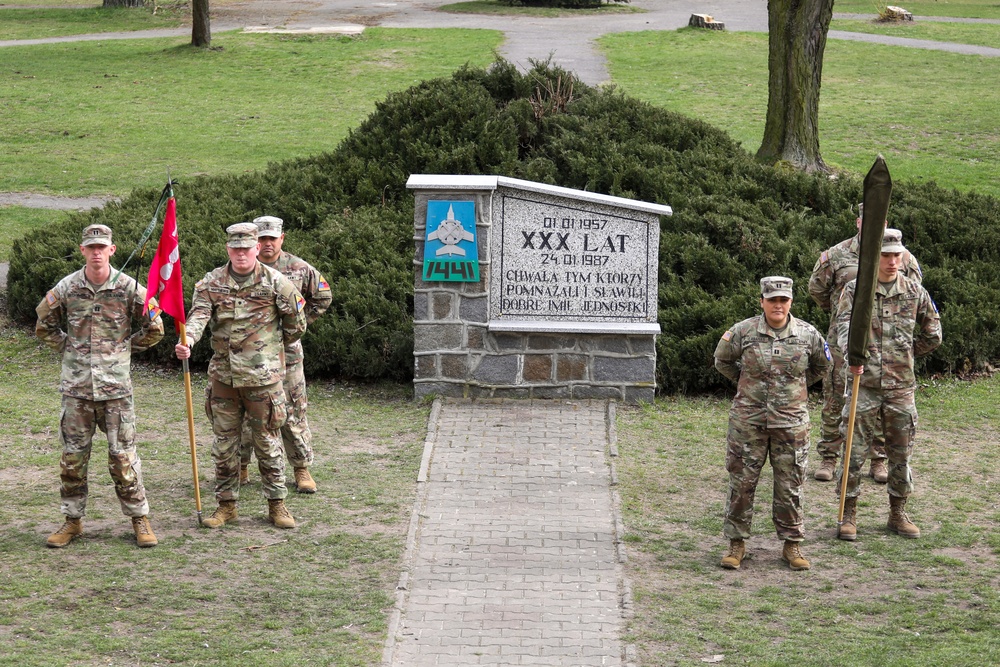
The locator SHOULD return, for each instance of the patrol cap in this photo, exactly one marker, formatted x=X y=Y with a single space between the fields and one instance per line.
x=242 y=235
x=96 y=235
x=773 y=286
x=268 y=225
x=892 y=241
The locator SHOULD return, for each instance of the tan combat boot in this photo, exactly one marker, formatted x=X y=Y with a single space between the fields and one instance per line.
x=849 y=529
x=878 y=471
x=304 y=482
x=826 y=469
x=244 y=475
x=899 y=523
x=144 y=536
x=792 y=555
x=66 y=533
x=279 y=515
x=225 y=513
x=737 y=551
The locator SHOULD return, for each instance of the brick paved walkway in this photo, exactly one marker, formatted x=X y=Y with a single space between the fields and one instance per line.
x=512 y=556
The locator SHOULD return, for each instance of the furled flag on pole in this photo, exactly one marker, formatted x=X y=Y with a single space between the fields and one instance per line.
x=164 y=283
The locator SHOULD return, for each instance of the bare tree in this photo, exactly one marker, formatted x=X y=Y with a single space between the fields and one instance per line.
x=797 y=39
x=201 y=29
x=124 y=3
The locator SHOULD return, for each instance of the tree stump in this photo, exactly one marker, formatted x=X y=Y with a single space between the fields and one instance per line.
x=705 y=21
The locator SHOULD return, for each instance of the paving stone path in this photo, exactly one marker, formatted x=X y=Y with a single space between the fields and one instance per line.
x=512 y=556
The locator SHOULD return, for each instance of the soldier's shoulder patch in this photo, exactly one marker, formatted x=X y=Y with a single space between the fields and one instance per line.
x=322 y=284
x=51 y=298
x=728 y=336
x=300 y=303
x=153 y=309
x=826 y=351
x=824 y=257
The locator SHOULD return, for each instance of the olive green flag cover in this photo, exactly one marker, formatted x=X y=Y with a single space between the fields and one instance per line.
x=878 y=188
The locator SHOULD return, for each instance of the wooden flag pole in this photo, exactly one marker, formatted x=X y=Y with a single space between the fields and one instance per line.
x=190 y=416
x=846 y=459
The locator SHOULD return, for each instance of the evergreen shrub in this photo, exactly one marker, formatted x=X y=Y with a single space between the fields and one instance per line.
x=349 y=213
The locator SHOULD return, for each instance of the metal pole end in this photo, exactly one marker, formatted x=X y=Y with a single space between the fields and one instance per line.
x=199 y=519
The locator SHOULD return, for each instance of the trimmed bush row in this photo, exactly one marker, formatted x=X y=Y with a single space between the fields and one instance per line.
x=735 y=220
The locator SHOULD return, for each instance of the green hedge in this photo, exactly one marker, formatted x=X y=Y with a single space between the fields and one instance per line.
x=349 y=213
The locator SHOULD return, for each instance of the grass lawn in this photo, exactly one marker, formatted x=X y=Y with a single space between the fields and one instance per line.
x=106 y=117
x=882 y=600
x=247 y=593
x=983 y=9
x=983 y=34
x=41 y=23
x=929 y=113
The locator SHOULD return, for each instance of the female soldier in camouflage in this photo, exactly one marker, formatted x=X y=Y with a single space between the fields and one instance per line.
x=772 y=358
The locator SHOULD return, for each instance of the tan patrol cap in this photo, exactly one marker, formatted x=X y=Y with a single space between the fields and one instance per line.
x=242 y=235
x=268 y=225
x=96 y=235
x=892 y=241
x=773 y=286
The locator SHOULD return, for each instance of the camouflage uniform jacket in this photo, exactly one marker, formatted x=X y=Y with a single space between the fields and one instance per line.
x=905 y=325
x=314 y=289
x=772 y=371
x=251 y=324
x=98 y=343
x=838 y=266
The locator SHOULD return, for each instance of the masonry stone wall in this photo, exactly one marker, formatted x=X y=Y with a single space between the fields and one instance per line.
x=463 y=347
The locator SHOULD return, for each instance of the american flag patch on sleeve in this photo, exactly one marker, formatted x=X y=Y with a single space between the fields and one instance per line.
x=727 y=336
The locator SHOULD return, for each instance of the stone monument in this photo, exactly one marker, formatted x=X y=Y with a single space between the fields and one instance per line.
x=527 y=290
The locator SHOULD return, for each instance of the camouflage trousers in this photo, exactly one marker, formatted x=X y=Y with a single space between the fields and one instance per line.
x=264 y=409
x=896 y=411
x=748 y=447
x=78 y=421
x=295 y=434
x=831 y=442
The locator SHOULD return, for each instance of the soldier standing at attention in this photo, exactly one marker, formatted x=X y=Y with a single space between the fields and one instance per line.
x=295 y=434
x=836 y=267
x=772 y=358
x=905 y=325
x=96 y=383
x=254 y=312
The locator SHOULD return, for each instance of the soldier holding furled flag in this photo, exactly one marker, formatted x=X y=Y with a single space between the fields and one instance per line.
x=885 y=321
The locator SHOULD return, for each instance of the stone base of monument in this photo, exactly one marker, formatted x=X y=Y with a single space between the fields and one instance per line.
x=705 y=21
x=525 y=290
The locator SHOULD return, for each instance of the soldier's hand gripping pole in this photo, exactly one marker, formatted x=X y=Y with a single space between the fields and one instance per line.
x=190 y=416
x=846 y=458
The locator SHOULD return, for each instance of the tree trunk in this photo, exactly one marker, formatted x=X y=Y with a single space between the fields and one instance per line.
x=201 y=30
x=797 y=37
x=124 y=3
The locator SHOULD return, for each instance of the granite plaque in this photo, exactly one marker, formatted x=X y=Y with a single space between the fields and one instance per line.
x=560 y=259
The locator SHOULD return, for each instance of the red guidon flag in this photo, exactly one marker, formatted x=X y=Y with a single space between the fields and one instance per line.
x=164 y=290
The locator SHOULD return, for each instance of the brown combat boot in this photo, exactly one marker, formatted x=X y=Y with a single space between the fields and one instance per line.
x=826 y=469
x=66 y=533
x=878 y=471
x=899 y=523
x=279 y=515
x=224 y=513
x=737 y=551
x=792 y=555
x=244 y=475
x=304 y=482
x=849 y=529
x=144 y=536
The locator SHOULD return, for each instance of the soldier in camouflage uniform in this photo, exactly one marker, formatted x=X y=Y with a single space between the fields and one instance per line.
x=772 y=358
x=96 y=383
x=905 y=325
x=254 y=312
x=295 y=434
x=836 y=267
